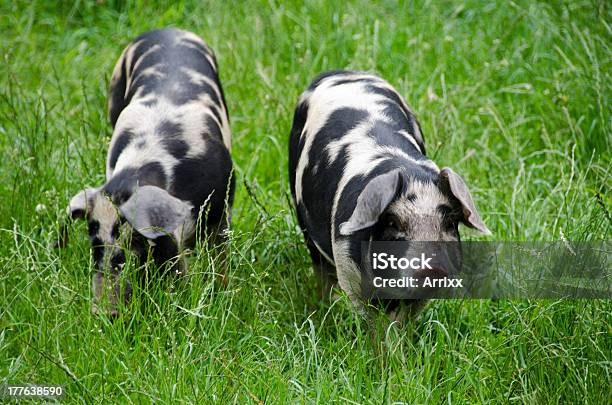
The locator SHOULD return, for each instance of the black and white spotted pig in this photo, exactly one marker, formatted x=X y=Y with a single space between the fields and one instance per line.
x=359 y=172
x=168 y=160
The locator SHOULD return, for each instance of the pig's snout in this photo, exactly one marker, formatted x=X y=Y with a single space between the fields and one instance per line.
x=109 y=292
x=112 y=313
x=434 y=273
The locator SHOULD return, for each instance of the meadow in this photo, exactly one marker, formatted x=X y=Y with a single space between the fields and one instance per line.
x=515 y=96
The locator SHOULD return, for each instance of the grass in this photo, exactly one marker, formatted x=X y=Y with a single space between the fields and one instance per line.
x=515 y=96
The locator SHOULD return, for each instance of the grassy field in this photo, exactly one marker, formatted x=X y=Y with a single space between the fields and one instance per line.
x=515 y=96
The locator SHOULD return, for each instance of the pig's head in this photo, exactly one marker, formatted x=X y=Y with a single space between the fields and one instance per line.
x=149 y=217
x=397 y=207
x=400 y=208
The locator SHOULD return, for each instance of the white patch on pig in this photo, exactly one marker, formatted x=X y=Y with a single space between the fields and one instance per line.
x=138 y=117
x=410 y=138
x=428 y=198
x=105 y=212
x=347 y=271
x=329 y=259
x=152 y=71
x=129 y=56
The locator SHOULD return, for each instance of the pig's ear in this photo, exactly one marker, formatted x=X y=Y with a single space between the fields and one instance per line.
x=153 y=212
x=459 y=189
x=80 y=204
x=372 y=202
x=77 y=208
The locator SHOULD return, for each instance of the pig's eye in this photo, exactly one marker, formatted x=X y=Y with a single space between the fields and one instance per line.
x=450 y=226
x=391 y=222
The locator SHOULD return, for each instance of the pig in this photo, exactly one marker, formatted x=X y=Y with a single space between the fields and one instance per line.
x=168 y=168
x=359 y=172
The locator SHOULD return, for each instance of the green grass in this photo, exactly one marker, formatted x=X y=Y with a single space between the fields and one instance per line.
x=515 y=96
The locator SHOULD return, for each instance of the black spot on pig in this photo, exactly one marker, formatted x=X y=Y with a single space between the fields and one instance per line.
x=205 y=177
x=385 y=134
x=122 y=140
x=187 y=91
x=117 y=101
x=116 y=261
x=150 y=103
x=353 y=80
x=115 y=231
x=97 y=247
x=92 y=228
x=216 y=113
x=172 y=142
x=121 y=186
x=167 y=128
x=295 y=143
x=317 y=80
x=176 y=147
x=212 y=128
